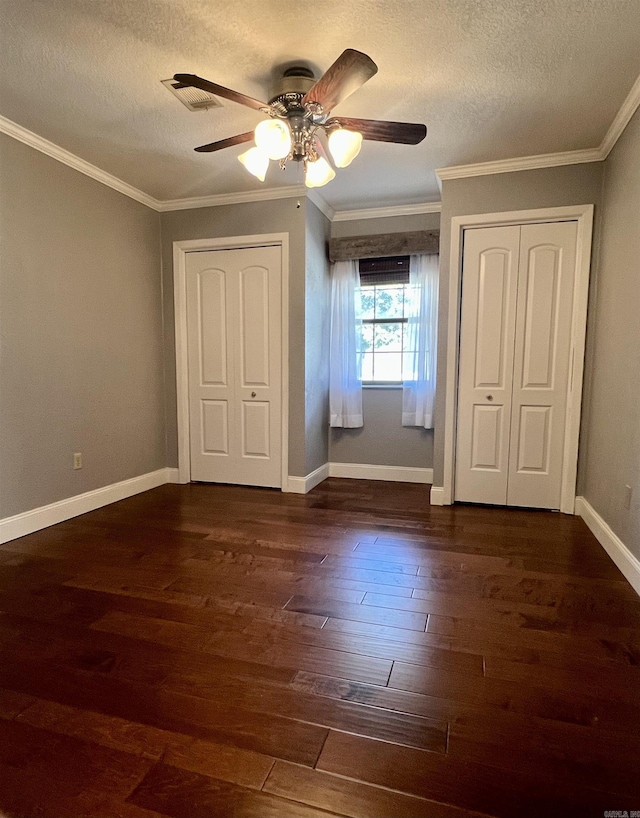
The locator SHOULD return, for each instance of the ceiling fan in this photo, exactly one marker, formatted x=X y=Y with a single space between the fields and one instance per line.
x=300 y=113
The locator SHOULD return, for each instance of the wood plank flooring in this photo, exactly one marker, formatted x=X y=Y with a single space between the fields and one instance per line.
x=210 y=651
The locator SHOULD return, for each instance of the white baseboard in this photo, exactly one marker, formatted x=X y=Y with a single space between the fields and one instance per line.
x=437 y=496
x=173 y=475
x=358 y=471
x=627 y=562
x=302 y=485
x=398 y=474
x=30 y=521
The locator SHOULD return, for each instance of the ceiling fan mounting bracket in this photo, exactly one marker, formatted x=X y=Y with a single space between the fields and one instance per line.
x=299 y=71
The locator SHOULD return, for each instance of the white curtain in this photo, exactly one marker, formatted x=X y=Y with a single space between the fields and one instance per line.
x=420 y=346
x=345 y=385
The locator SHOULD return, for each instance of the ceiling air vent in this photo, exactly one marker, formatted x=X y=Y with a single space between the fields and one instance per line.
x=193 y=98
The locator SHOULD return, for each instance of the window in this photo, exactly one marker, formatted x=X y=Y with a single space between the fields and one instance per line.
x=396 y=337
x=384 y=295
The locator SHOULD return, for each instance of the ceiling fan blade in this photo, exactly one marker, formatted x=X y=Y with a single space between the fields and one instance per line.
x=405 y=133
x=226 y=143
x=351 y=70
x=220 y=91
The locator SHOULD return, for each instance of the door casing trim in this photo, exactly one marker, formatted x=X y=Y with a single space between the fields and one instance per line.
x=180 y=250
x=583 y=215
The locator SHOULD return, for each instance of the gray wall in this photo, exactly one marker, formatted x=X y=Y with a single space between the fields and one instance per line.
x=387 y=224
x=523 y=190
x=252 y=218
x=383 y=440
x=317 y=322
x=612 y=434
x=81 y=363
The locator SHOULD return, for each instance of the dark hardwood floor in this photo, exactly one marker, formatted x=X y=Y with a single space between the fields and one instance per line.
x=201 y=651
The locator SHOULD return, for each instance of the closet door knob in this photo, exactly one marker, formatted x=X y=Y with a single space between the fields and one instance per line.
x=489 y=397
x=253 y=394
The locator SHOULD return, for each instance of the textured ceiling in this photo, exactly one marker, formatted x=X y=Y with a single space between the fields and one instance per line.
x=492 y=79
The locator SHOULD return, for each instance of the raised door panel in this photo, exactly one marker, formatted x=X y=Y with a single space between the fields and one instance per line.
x=254 y=326
x=255 y=429
x=542 y=363
x=215 y=428
x=489 y=283
x=540 y=316
x=492 y=354
x=212 y=327
x=486 y=438
x=534 y=439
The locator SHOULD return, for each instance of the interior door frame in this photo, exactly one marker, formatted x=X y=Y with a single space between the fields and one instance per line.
x=180 y=250
x=583 y=215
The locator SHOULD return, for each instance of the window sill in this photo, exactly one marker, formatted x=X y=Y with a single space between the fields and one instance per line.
x=382 y=386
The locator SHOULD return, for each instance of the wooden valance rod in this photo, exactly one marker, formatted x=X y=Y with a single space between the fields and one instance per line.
x=387 y=244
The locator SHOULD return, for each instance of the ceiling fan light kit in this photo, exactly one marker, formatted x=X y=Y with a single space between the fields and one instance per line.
x=256 y=162
x=299 y=114
x=344 y=146
x=273 y=137
x=318 y=173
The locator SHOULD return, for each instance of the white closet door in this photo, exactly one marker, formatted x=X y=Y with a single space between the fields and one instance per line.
x=542 y=365
x=234 y=349
x=489 y=289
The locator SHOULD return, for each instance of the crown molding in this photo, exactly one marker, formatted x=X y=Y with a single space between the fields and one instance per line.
x=219 y=199
x=550 y=160
x=43 y=145
x=321 y=204
x=71 y=160
x=384 y=212
x=546 y=160
x=621 y=120
x=543 y=160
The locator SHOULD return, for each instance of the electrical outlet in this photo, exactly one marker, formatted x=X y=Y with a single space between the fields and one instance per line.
x=627 y=496
x=77 y=460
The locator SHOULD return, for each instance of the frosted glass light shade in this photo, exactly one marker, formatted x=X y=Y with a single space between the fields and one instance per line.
x=344 y=146
x=319 y=173
x=273 y=137
x=256 y=162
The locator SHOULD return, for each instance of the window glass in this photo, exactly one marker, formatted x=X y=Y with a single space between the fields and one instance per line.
x=367 y=302
x=389 y=301
x=384 y=310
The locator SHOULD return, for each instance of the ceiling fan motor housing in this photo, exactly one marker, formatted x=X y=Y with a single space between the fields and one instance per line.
x=295 y=83
x=286 y=102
